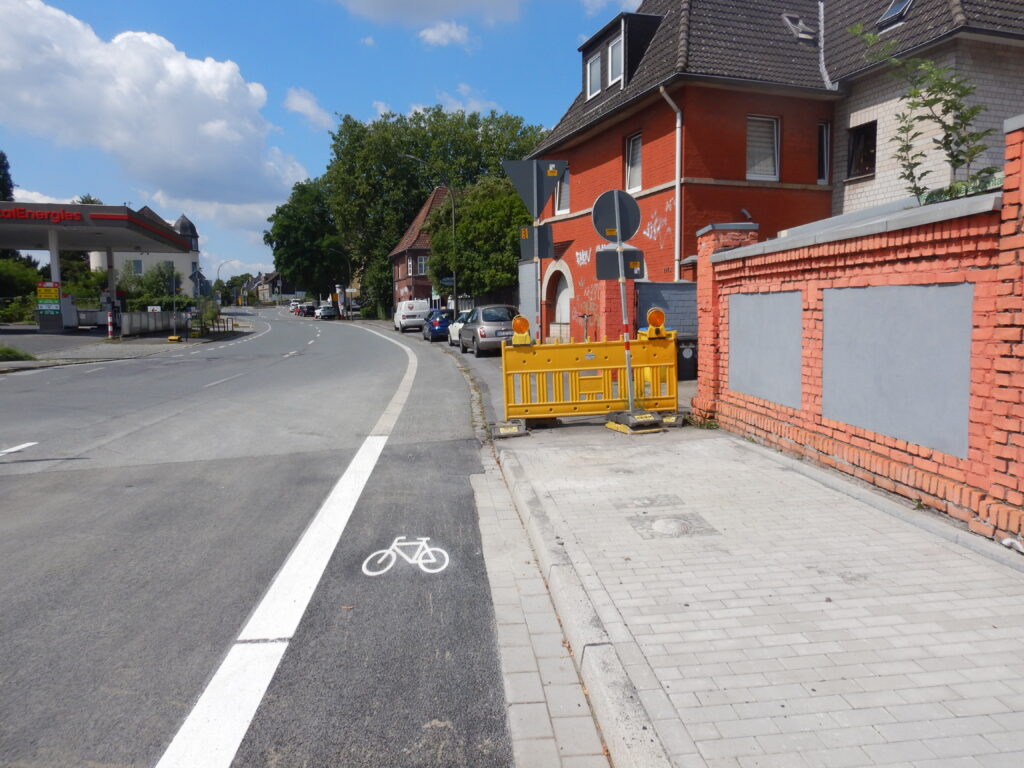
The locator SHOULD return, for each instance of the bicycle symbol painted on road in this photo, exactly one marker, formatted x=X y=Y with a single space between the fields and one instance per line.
x=429 y=559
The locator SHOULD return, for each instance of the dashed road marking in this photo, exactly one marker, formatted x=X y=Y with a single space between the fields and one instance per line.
x=221 y=381
x=17 y=448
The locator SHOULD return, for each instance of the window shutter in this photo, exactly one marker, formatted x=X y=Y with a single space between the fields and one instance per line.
x=633 y=158
x=762 y=162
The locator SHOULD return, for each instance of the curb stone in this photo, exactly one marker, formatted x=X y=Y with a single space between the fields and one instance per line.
x=627 y=729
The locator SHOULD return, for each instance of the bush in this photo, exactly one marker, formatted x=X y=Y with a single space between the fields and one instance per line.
x=368 y=313
x=19 y=310
x=11 y=353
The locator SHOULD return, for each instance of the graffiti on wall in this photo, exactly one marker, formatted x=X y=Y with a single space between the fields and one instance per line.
x=658 y=227
x=583 y=256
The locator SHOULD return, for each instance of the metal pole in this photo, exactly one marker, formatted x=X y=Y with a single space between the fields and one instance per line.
x=536 y=240
x=622 y=296
x=455 y=285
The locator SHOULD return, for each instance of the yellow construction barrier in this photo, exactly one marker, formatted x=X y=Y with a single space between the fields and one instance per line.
x=548 y=381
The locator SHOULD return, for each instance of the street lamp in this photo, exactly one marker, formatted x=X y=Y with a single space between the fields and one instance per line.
x=451 y=195
x=228 y=261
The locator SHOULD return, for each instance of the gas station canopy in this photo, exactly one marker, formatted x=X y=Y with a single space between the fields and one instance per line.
x=27 y=226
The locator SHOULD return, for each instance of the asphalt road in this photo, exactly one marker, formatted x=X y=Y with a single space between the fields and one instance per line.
x=161 y=497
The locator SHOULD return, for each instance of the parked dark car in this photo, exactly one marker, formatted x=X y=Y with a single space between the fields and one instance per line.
x=436 y=325
x=308 y=310
x=487 y=328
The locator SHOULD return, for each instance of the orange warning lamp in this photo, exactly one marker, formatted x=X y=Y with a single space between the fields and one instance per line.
x=521 y=331
x=655 y=323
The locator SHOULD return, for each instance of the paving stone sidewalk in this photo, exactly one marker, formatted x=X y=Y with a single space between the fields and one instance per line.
x=763 y=618
x=550 y=719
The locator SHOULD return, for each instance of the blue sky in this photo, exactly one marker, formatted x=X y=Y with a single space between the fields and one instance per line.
x=214 y=109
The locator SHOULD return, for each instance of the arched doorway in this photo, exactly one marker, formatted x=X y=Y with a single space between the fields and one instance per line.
x=560 y=322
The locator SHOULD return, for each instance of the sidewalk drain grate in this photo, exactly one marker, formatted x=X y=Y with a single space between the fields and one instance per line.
x=671 y=526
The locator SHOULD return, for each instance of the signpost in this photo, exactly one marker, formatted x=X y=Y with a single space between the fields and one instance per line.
x=535 y=181
x=616 y=217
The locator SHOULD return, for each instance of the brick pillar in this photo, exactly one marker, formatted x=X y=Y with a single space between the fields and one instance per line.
x=711 y=240
x=1001 y=513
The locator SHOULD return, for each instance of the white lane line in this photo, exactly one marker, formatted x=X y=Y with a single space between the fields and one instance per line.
x=181 y=355
x=93 y=370
x=17 y=448
x=196 y=352
x=221 y=381
x=217 y=725
x=25 y=373
x=214 y=729
x=310 y=342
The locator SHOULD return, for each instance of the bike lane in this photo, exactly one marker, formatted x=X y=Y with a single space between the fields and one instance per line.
x=400 y=668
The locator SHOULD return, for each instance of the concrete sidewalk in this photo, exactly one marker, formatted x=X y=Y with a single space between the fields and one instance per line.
x=729 y=607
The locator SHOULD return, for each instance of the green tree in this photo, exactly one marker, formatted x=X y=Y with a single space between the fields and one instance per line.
x=375 y=187
x=161 y=280
x=16 y=278
x=487 y=221
x=7 y=196
x=308 y=252
x=938 y=96
x=6 y=183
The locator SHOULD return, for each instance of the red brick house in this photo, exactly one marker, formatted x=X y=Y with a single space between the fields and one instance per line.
x=410 y=257
x=740 y=110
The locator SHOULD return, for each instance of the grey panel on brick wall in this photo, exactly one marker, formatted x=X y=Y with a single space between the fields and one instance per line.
x=765 y=346
x=679 y=300
x=897 y=360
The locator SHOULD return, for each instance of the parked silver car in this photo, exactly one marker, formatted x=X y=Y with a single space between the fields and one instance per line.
x=487 y=328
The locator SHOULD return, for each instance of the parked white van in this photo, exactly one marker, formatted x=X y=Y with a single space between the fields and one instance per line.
x=411 y=314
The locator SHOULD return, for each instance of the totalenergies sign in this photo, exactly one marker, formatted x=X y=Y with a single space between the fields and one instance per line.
x=55 y=217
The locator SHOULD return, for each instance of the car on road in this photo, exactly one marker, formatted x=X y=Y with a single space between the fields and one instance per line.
x=306 y=310
x=436 y=325
x=326 y=312
x=455 y=326
x=487 y=328
x=410 y=314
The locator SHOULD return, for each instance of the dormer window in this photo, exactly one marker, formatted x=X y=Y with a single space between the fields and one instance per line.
x=615 y=61
x=895 y=12
x=593 y=76
x=797 y=26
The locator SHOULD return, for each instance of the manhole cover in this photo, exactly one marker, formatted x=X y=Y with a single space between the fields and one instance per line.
x=671 y=526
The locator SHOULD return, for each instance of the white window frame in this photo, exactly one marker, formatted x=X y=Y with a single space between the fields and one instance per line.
x=593 y=83
x=136 y=266
x=636 y=137
x=563 y=199
x=421 y=264
x=825 y=127
x=774 y=121
x=622 y=61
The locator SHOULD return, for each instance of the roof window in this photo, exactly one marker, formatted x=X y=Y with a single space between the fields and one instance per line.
x=797 y=26
x=895 y=12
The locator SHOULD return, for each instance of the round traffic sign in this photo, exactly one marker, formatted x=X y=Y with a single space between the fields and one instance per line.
x=616 y=216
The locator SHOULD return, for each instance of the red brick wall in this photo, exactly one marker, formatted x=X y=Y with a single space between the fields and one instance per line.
x=985 y=489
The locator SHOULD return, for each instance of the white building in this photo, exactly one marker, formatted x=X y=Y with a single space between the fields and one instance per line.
x=140 y=262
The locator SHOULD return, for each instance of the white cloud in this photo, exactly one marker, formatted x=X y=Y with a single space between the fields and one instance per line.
x=381 y=108
x=28 y=196
x=445 y=33
x=468 y=100
x=368 y=41
x=250 y=217
x=303 y=102
x=593 y=6
x=429 y=11
x=189 y=128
